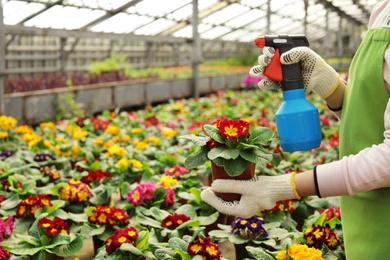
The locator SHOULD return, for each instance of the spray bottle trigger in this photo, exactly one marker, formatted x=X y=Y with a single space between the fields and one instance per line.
x=274 y=69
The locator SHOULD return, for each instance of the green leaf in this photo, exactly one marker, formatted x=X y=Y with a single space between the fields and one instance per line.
x=130 y=248
x=80 y=217
x=213 y=132
x=143 y=240
x=88 y=231
x=197 y=140
x=235 y=167
x=11 y=202
x=226 y=153
x=147 y=221
x=259 y=253
x=187 y=209
x=69 y=249
x=204 y=221
x=22 y=225
x=260 y=135
x=197 y=159
x=177 y=243
x=24 y=249
x=257 y=156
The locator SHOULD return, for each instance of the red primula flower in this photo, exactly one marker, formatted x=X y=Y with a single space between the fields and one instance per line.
x=232 y=129
x=120 y=236
x=174 y=220
x=110 y=216
x=205 y=248
x=55 y=226
x=95 y=175
x=30 y=204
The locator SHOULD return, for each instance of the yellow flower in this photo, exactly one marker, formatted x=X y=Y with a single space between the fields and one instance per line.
x=75 y=150
x=47 y=144
x=136 y=163
x=167 y=181
x=114 y=130
x=177 y=106
x=33 y=142
x=107 y=144
x=125 y=138
x=28 y=137
x=123 y=163
x=153 y=139
x=98 y=141
x=79 y=134
x=7 y=122
x=58 y=151
x=136 y=130
x=3 y=134
x=61 y=139
x=116 y=150
x=24 y=129
x=140 y=145
x=168 y=132
x=49 y=125
x=298 y=251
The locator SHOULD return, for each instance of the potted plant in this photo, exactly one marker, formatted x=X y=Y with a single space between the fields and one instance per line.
x=182 y=221
x=47 y=238
x=256 y=232
x=187 y=247
x=127 y=243
x=234 y=147
x=103 y=220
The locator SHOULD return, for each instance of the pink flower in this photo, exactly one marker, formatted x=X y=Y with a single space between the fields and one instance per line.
x=136 y=197
x=147 y=189
x=169 y=198
x=176 y=170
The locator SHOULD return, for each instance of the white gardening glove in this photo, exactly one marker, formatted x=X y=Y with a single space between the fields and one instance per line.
x=259 y=193
x=317 y=74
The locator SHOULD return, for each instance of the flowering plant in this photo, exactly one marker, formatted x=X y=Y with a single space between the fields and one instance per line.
x=188 y=247
x=104 y=220
x=232 y=144
x=46 y=236
x=150 y=194
x=182 y=221
x=127 y=243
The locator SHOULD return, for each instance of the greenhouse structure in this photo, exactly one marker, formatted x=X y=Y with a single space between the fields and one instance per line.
x=99 y=103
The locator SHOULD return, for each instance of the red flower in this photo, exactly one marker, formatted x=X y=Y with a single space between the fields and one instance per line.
x=110 y=216
x=30 y=204
x=95 y=175
x=54 y=227
x=232 y=129
x=120 y=236
x=205 y=248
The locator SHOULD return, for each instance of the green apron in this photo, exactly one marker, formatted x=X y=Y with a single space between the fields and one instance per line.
x=366 y=216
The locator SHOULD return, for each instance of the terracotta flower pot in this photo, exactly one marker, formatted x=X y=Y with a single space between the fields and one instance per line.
x=218 y=172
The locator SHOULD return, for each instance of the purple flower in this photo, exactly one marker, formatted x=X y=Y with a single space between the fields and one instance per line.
x=6 y=153
x=42 y=157
x=249 y=228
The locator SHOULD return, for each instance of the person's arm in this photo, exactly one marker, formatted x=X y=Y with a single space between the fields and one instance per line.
x=335 y=101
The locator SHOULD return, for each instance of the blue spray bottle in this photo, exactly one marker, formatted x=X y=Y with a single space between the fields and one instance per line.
x=297 y=120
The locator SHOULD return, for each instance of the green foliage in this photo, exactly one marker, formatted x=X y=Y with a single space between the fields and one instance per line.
x=115 y=62
x=235 y=154
x=66 y=107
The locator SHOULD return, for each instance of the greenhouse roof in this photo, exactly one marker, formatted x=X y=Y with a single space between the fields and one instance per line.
x=229 y=20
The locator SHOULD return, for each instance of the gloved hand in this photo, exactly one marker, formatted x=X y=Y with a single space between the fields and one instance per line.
x=317 y=74
x=259 y=193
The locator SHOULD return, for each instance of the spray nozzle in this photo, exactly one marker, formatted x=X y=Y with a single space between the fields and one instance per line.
x=289 y=75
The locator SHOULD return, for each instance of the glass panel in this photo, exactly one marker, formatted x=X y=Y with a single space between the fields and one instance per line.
x=16 y=11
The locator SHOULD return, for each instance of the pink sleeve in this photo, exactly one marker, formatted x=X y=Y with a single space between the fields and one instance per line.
x=386 y=69
x=367 y=170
